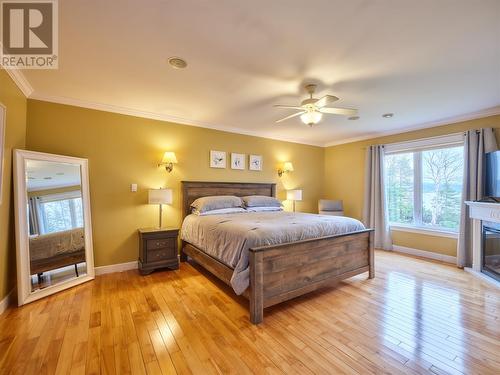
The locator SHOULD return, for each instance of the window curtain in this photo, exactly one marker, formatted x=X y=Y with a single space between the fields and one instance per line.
x=375 y=208
x=476 y=144
x=34 y=227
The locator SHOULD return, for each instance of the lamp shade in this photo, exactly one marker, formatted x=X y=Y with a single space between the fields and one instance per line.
x=160 y=196
x=294 y=195
x=169 y=157
x=288 y=166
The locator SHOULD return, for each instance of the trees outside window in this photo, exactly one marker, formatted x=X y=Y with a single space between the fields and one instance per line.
x=424 y=188
x=399 y=187
x=60 y=214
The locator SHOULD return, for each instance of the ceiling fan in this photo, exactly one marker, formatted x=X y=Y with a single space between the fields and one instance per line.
x=312 y=109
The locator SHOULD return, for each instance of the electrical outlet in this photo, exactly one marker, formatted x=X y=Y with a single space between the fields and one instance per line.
x=133 y=188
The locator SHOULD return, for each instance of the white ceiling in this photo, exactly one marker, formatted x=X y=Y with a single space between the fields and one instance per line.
x=42 y=175
x=424 y=60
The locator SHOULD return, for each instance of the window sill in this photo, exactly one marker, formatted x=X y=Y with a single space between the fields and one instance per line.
x=427 y=231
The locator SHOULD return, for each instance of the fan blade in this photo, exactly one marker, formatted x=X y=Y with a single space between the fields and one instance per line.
x=325 y=100
x=339 y=111
x=291 y=116
x=288 y=106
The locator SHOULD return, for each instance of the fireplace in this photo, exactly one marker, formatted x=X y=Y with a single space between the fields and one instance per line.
x=490 y=249
x=486 y=241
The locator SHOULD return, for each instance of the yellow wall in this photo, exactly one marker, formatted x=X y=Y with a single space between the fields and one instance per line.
x=124 y=149
x=344 y=178
x=15 y=136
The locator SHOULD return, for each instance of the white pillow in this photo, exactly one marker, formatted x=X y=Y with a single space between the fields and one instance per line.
x=220 y=211
x=261 y=201
x=262 y=209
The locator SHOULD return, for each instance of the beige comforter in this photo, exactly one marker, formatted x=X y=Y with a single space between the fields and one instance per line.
x=52 y=244
x=228 y=237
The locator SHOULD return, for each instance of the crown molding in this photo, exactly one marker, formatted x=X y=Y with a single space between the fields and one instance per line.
x=28 y=91
x=19 y=79
x=179 y=120
x=158 y=116
x=21 y=82
x=492 y=111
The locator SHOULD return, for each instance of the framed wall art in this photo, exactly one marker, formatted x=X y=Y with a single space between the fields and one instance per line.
x=237 y=161
x=255 y=163
x=217 y=159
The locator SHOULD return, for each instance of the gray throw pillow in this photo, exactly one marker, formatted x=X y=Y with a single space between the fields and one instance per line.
x=205 y=204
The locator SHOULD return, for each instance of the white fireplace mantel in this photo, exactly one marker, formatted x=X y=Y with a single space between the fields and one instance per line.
x=484 y=211
x=481 y=211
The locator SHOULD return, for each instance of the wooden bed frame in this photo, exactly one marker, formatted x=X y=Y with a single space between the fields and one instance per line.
x=39 y=266
x=285 y=271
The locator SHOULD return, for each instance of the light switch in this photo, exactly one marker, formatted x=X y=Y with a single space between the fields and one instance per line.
x=133 y=188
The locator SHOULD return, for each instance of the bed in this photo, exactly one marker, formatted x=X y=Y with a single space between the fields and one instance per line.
x=281 y=271
x=56 y=250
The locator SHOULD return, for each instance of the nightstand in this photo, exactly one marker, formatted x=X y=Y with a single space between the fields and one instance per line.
x=157 y=249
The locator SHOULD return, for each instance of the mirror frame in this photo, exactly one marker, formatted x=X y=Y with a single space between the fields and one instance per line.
x=3 y=125
x=24 y=293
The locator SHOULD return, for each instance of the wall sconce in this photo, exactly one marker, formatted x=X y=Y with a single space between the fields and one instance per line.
x=168 y=161
x=287 y=167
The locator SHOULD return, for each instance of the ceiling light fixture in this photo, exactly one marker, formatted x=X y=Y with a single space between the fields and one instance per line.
x=353 y=118
x=311 y=110
x=311 y=117
x=387 y=115
x=177 y=62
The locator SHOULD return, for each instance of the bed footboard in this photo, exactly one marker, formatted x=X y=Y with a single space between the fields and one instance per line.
x=282 y=272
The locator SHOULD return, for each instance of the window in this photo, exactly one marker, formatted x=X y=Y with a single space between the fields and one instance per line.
x=424 y=186
x=400 y=188
x=60 y=212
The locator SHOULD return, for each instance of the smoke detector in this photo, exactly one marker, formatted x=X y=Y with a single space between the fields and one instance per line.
x=177 y=63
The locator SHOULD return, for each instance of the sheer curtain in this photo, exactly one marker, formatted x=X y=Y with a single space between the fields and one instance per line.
x=375 y=208
x=476 y=144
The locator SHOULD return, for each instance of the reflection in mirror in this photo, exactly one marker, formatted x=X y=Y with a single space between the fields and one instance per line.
x=55 y=222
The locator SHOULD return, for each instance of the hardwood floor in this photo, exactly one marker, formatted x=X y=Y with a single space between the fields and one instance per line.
x=416 y=316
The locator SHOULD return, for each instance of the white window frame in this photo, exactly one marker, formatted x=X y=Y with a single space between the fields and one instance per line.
x=416 y=147
x=69 y=195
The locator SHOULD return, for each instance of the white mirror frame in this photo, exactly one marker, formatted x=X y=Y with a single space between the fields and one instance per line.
x=3 y=120
x=24 y=293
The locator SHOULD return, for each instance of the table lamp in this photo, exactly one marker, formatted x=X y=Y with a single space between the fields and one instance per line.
x=294 y=195
x=160 y=197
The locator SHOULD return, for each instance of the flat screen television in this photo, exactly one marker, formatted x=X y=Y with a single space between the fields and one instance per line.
x=492 y=175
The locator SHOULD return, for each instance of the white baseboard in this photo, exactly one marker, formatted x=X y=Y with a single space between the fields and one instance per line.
x=425 y=254
x=4 y=304
x=483 y=277
x=120 y=267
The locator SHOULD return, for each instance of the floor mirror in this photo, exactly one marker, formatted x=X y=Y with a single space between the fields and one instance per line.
x=53 y=224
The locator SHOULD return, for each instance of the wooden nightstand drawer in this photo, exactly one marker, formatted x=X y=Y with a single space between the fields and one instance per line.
x=160 y=243
x=162 y=254
x=157 y=249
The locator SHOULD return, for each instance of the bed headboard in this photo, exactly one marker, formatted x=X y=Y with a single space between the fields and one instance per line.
x=192 y=190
